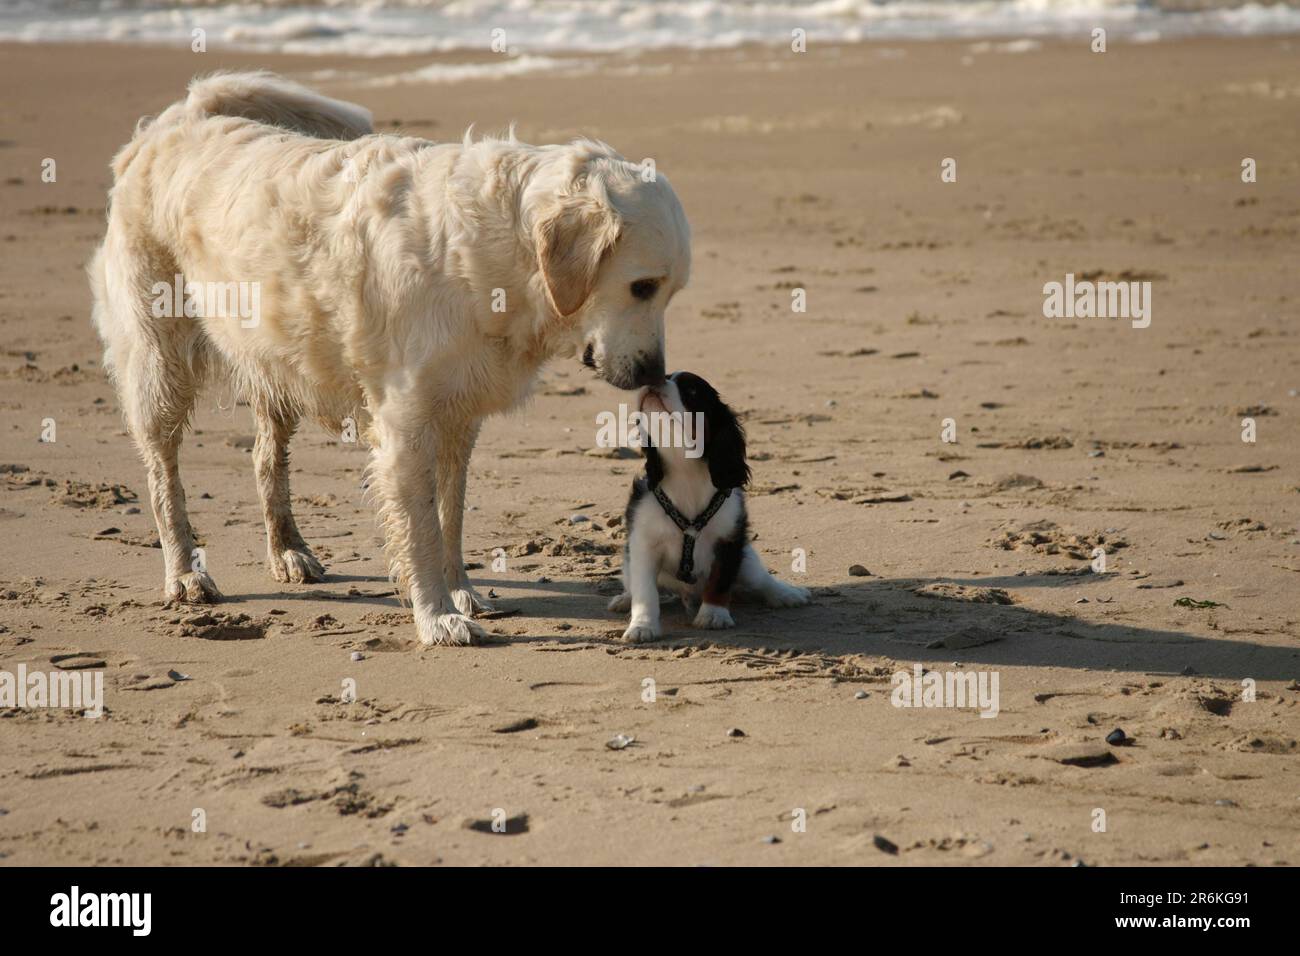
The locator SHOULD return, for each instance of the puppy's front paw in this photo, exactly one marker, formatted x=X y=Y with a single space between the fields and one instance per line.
x=640 y=633
x=455 y=629
x=469 y=603
x=787 y=595
x=621 y=604
x=714 y=618
x=197 y=587
x=296 y=567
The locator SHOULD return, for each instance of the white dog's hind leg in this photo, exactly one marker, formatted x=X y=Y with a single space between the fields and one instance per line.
x=455 y=444
x=774 y=592
x=187 y=579
x=287 y=555
x=403 y=478
x=158 y=367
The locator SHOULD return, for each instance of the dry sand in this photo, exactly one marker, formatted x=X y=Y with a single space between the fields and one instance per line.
x=818 y=171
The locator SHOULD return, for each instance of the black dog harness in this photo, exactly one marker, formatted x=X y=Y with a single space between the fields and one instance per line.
x=685 y=570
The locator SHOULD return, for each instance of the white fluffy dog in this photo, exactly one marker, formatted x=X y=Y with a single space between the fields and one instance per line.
x=412 y=287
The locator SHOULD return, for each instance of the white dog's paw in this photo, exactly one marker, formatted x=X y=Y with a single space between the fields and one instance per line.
x=714 y=618
x=197 y=587
x=457 y=629
x=640 y=633
x=787 y=595
x=296 y=567
x=621 y=604
x=469 y=603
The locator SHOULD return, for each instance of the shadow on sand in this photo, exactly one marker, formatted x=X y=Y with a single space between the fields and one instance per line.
x=888 y=618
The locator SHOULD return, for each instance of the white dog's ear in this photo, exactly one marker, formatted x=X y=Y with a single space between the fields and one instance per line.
x=572 y=236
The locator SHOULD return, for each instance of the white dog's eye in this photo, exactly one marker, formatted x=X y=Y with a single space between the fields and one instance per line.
x=645 y=289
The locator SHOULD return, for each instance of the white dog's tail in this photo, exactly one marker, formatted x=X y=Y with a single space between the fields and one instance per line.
x=273 y=100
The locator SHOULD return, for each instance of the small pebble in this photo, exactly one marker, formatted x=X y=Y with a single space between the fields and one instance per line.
x=1225 y=803
x=770 y=839
x=860 y=695
x=858 y=571
x=358 y=656
x=620 y=742
x=578 y=519
x=884 y=845
x=1117 y=738
x=735 y=732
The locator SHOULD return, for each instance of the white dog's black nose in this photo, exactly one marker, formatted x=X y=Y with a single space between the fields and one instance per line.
x=643 y=371
x=648 y=370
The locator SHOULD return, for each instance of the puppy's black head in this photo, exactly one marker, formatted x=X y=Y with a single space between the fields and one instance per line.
x=723 y=441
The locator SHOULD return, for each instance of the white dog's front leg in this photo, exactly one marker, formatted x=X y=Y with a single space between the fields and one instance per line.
x=641 y=578
x=404 y=479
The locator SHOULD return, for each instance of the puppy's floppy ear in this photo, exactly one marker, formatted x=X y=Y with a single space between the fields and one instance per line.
x=724 y=447
x=572 y=234
x=654 y=466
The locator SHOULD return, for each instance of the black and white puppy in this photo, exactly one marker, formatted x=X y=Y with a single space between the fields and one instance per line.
x=687 y=527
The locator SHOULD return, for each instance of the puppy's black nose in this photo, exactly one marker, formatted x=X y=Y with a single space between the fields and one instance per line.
x=649 y=370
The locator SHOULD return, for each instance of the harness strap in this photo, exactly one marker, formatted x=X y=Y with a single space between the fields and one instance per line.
x=685 y=569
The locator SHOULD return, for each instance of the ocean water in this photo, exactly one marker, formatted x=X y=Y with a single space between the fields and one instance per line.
x=538 y=28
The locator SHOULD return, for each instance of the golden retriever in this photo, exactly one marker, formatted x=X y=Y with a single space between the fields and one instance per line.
x=408 y=287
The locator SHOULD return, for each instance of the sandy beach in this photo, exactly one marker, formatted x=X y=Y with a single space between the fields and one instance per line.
x=779 y=742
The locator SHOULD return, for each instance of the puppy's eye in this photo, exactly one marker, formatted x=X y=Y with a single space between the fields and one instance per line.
x=645 y=289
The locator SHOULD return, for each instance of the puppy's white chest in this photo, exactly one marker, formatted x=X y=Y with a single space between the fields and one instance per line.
x=661 y=540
